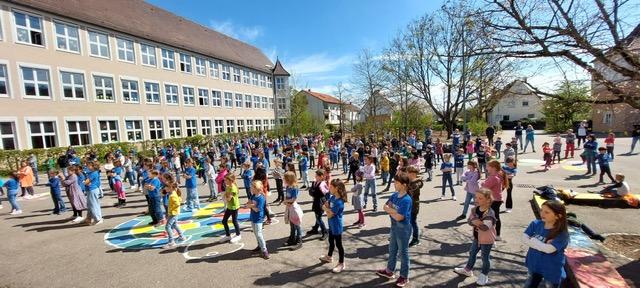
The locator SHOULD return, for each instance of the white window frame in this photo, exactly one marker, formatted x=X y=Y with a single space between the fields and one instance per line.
x=248 y=101
x=206 y=129
x=134 y=129
x=35 y=81
x=6 y=79
x=258 y=124
x=240 y=125
x=99 y=45
x=264 y=102
x=207 y=98
x=256 y=101
x=126 y=50
x=13 y=135
x=216 y=98
x=269 y=82
x=280 y=83
x=254 y=78
x=28 y=28
x=73 y=85
x=65 y=35
x=282 y=103
x=239 y=104
x=214 y=69
x=175 y=130
x=78 y=133
x=109 y=132
x=95 y=88
x=232 y=126
x=237 y=75
x=146 y=56
x=262 y=79
x=265 y=124
x=156 y=129
x=188 y=129
x=249 y=123
x=192 y=96
x=128 y=89
x=226 y=72
x=271 y=103
x=200 y=66
x=167 y=99
x=147 y=92
x=218 y=129
x=227 y=101
x=56 y=129
x=170 y=61
x=246 y=77
x=607 y=117
x=183 y=63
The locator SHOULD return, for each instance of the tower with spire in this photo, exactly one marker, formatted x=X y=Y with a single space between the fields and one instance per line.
x=282 y=93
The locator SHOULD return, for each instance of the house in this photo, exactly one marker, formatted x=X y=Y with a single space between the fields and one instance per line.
x=377 y=108
x=619 y=117
x=518 y=102
x=323 y=106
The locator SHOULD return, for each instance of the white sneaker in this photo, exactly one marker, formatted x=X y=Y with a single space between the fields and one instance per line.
x=454 y=198
x=236 y=239
x=463 y=271
x=225 y=239
x=508 y=211
x=77 y=219
x=99 y=222
x=482 y=279
x=134 y=187
x=498 y=238
x=442 y=197
x=16 y=212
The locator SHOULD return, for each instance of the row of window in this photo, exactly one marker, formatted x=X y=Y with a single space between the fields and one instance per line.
x=36 y=83
x=44 y=134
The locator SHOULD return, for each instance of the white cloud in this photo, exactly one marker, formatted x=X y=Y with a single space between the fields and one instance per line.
x=318 y=63
x=245 y=33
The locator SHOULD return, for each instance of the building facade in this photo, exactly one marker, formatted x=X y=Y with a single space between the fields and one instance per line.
x=70 y=75
x=323 y=107
x=518 y=103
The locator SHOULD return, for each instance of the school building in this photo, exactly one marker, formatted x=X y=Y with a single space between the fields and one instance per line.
x=93 y=71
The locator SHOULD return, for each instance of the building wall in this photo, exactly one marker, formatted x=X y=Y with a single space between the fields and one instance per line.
x=18 y=108
x=513 y=106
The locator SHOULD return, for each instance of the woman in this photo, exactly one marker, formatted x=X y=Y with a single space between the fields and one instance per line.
x=25 y=174
x=529 y=139
x=74 y=193
x=590 y=151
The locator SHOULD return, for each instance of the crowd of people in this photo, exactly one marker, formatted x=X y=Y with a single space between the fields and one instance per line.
x=484 y=168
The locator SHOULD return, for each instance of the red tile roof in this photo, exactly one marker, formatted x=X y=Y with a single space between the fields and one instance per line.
x=322 y=97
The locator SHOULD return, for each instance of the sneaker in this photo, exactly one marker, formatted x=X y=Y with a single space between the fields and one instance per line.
x=339 y=268
x=297 y=246
x=225 y=239
x=482 y=280
x=77 y=219
x=236 y=239
x=16 y=212
x=385 y=273
x=463 y=271
x=323 y=237
x=442 y=197
x=414 y=243
x=401 y=282
x=326 y=259
x=99 y=222
x=361 y=225
x=265 y=255
x=134 y=187
x=498 y=238
x=461 y=217
x=169 y=245
x=454 y=198
x=507 y=211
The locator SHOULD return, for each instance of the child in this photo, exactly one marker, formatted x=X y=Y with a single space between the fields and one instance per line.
x=414 y=191
x=171 y=188
x=233 y=204
x=247 y=176
x=470 y=148
x=335 y=209
x=354 y=165
x=471 y=178
x=509 y=151
x=496 y=182
x=318 y=191
x=54 y=186
x=609 y=144
x=399 y=209
x=603 y=161
x=193 y=199
x=77 y=198
x=459 y=164
x=570 y=141
x=293 y=212
x=447 y=167
x=277 y=173
x=546 y=151
x=510 y=169
x=370 y=182
x=12 y=185
x=304 y=170
x=620 y=188
x=256 y=203
x=356 y=199
x=547 y=238
x=384 y=168
x=557 y=148
x=261 y=175
x=482 y=160
x=497 y=146
x=483 y=221
x=439 y=150
x=92 y=183
x=211 y=180
x=116 y=182
x=222 y=174
x=429 y=159
x=153 y=187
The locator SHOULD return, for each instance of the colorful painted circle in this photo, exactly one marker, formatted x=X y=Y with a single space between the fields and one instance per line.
x=530 y=162
x=574 y=166
x=138 y=234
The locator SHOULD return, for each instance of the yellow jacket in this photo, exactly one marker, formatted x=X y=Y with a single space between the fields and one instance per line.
x=174 y=204
x=384 y=164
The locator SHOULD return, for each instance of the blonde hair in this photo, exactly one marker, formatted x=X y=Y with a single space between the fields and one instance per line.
x=257 y=184
x=446 y=157
x=290 y=179
x=486 y=193
x=339 y=186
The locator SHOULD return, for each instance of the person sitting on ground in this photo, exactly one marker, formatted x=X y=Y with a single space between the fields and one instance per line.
x=619 y=189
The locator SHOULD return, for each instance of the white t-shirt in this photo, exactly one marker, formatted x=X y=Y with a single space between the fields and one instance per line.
x=582 y=130
x=623 y=189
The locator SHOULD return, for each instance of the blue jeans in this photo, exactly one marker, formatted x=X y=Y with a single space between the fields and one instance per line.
x=519 y=140
x=93 y=204
x=634 y=141
x=193 y=199
x=257 y=231
x=526 y=143
x=295 y=232
x=11 y=196
x=415 y=231
x=58 y=203
x=345 y=167
x=385 y=177
x=35 y=174
x=305 y=177
x=370 y=185
x=213 y=188
x=399 y=243
x=534 y=280
x=172 y=224
x=156 y=208
x=467 y=201
x=130 y=177
x=446 y=177
x=591 y=162
x=177 y=175
x=486 y=259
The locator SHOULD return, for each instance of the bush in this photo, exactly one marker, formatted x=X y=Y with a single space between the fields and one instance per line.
x=477 y=126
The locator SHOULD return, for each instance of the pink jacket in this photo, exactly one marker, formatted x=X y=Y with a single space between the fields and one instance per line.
x=220 y=178
x=494 y=183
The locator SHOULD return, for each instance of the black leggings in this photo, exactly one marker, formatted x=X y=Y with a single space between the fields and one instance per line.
x=495 y=206
x=336 y=241
x=234 y=218
x=352 y=173
x=77 y=213
x=26 y=190
x=509 y=203
x=280 y=190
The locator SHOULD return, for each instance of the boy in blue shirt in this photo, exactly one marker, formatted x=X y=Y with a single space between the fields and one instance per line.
x=54 y=185
x=13 y=185
x=247 y=176
x=153 y=187
x=603 y=161
x=304 y=169
x=458 y=159
x=193 y=200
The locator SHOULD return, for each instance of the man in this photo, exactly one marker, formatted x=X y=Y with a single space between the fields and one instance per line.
x=490 y=132
x=635 y=134
x=427 y=135
x=519 y=130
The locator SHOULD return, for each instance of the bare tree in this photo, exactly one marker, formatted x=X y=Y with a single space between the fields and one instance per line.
x=341 y=93
x=368 y=79
x=588 y=34
x=397 y=82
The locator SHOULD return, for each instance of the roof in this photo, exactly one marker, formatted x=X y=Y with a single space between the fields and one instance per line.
x=323 y=97
x=352 y=107
x=279 y=70
x=635 y=33
x=143 y=20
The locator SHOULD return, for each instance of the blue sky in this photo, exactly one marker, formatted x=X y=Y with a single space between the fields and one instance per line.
x=316 y=40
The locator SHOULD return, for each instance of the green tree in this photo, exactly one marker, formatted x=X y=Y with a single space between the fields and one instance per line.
x=560 y=112
x=413 y=117
x=301 y=120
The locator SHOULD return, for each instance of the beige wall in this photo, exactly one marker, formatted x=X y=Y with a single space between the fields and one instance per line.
x=16 y=108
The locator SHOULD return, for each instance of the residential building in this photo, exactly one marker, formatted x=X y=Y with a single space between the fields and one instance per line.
x=518 y=102
x=91 y=71
x=377 y=108
x=323 y=106
x=620 y=117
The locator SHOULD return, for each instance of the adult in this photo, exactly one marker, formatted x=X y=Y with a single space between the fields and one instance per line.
x=582 y=132
x=33 y=162
x=529 y=138
x=635 y=134
x=25 y=176
x=519 y=130
x=63 y=163
x=74 y=192
x=490 y=132
x=427 y=135
x=590 y=151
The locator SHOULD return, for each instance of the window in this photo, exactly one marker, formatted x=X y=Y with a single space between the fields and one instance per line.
x=185 y=63
x=171 y=94
x=249 y=125
x=240 y=126
x=43 y=134
x=265 y=124
x=201 y=67
x=262 y=81
x=67 y=37
x=238 y=100
x=216 y=98
x=246 y=78
x=218 y=126
x=226 y=72
x=133 y=129
x=99 y=44
x=231 y=126
x=258 y=125
x=270 y=103
x=148 y=55
x=228 y=99
x=279 y=83
x=531 y=116
x=272 y=124
x=505 y=118
x=192 y=128
x=264 y=102
x=79 y=134
x=36 y=82
x=8 y=136
x=72 y=85
x=256 y=102
x=152 y=92
x=247 y=101
x=28 y=29
x=254 y=79
x=175 y=129
x=282 y=104
x=125 y=50
x=103 y=88
x=203 y=97
x=155 y=130
x=108 y=131
x=607 y=117
x=206 y=127
x=525 y=103
x=187 y=96
x=168 y=60
x=269 y=82
x=4 y=81
x=214 y=69
x=236 y=74
x=130 y=91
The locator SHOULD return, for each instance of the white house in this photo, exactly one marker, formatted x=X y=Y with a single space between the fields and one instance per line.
x=323 y=106
x=378 y=108
x=517 y=103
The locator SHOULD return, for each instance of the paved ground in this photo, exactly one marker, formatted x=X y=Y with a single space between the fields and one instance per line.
x=38 y=249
